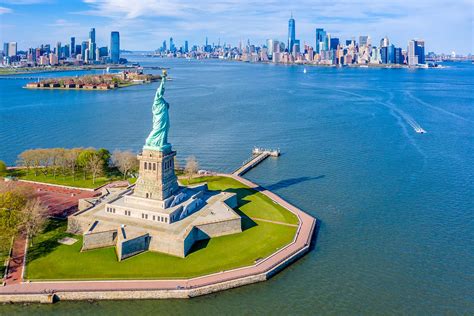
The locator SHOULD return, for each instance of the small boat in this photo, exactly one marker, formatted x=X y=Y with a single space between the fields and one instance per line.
x=304 y=70
x=419 y=130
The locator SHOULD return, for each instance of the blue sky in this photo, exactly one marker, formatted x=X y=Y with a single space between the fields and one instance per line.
x=144 y=24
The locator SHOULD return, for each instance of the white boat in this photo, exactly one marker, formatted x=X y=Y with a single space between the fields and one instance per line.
x=419 y=130
x=304 y=70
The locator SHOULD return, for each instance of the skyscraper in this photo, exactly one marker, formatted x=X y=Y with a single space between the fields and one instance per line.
x=420 y=51
x=58 y=49
x=172 y=47
x=186 y=46
x=291 y=33
x=416 y=52
x=92 y=45
x=73 y=46
x=363 y=40
x=270 y=47
x=320 y=35
x=114 y=47
x=12 y=49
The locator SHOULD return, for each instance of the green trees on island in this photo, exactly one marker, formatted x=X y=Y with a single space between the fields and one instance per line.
x=20 y=211
x=63 y=162
x=3 y=168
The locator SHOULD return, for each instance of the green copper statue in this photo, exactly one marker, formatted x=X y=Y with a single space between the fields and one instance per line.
x=158 y=138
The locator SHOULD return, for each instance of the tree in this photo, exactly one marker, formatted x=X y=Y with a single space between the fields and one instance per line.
x=11 y=204
x=83 y=159
x=95 y=165
x=105 y=156
x=3 y=168
x=192 y=167
x=34 y=217
x=71 y=160
x=125 y=161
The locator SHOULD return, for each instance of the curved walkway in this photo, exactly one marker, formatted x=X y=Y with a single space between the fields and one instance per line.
x=264 y=269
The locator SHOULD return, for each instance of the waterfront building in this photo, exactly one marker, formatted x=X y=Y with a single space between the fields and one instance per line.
x=391 y=54
x=384 y=54
x=58 y=49
x=92 y=45
x=53 y=59
x=5 y=49
x=44 y=60
x=84 y=47
x=172 y=46
x=114 y=47
x=398 y=56
x=334 y=43
x=270 y=48
x=420 y=51
x=12 y=49
x=291 y=33
x=163 y=46
x=186 y=47
x=384 y=42
x=320 y=36
x=73 y=46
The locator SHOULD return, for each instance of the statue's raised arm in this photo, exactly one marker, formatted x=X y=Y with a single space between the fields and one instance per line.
x=161 y=89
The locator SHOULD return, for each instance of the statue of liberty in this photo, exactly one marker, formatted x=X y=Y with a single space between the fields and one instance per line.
x=158 y=138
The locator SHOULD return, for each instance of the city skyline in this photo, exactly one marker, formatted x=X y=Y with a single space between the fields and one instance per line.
x=146 y=24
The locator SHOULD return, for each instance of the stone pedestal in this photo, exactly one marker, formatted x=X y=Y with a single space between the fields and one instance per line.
x=157 y=180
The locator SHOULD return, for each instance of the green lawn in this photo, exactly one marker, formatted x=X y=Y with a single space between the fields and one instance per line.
x=67 y=180
x=48 y=260
x=251 y=203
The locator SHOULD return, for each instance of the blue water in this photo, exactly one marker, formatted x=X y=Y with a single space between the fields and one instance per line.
x=396 y=207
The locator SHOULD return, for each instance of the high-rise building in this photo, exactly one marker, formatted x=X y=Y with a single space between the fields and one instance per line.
x=172 y=47
x=291 y=33
x=84 y=47
x=270 y=47
x=73 y=46
x=92 y=45
x=391 y=54
x=12 y=49
x=163 y=47
x=92 y=35
x=384 y=42
x=398 y=56
x=416 y=52
x=58 y=50
x=420 y=51
x=114 y=47
x=384 y=54
x=334 y=43
x=320 y=35
x=363 y=40
x=5 y=49
x=186 y=46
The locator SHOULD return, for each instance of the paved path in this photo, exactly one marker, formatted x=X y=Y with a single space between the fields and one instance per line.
x=61 y=202
x=273 y=222
x=15 y=265
x=300 y=243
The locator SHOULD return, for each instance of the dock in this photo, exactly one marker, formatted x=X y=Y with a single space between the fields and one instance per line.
x=258 y=155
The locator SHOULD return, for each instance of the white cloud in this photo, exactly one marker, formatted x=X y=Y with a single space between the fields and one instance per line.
x=4 y=10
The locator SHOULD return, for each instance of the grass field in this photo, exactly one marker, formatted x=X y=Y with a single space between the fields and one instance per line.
x=48 y=260
x=67 y=180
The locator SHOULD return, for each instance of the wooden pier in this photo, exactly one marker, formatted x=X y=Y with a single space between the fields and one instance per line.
x=258 y=155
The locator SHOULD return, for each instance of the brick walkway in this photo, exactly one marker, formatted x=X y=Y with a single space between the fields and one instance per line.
x=300 y=244
x=15 y=265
